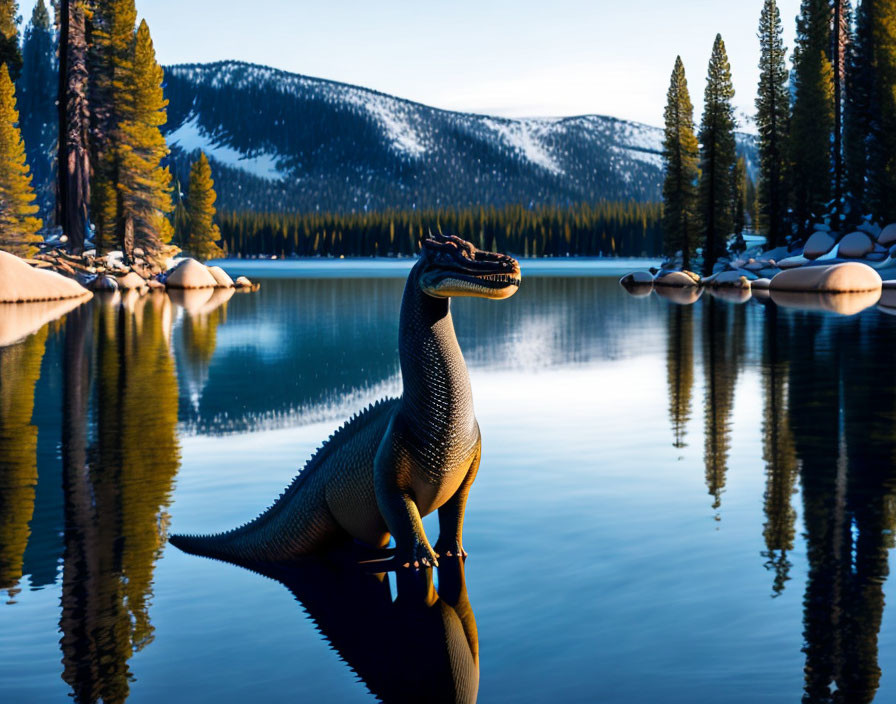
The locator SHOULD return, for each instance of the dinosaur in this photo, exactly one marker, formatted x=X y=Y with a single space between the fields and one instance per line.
x=401 y=458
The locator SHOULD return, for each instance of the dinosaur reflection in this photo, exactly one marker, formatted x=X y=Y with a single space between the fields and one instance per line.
x=421 y=647
x=117 y=474
x=680 y=369
x=19 y=371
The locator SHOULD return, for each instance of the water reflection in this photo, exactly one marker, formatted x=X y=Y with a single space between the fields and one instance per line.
x=680 y=369
x=417 y=645
x=118 y=469
x=723 y=352
x=19 y=370
x=121 y=371
x=778 y=452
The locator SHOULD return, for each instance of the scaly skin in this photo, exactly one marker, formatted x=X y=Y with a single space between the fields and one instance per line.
x=399 y=459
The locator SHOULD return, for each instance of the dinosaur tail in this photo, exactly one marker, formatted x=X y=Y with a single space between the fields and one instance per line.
x=222 y=546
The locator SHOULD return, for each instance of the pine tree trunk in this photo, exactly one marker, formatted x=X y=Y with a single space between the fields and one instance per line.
x=74 y=164
x=838 y=48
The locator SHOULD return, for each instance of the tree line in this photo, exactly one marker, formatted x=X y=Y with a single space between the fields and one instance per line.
x=603 y=229
x=827 y=133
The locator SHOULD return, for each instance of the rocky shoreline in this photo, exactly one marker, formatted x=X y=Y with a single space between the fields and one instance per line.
x=842 y=276
x=56 y=274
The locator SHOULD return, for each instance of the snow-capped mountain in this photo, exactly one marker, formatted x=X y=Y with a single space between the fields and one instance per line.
x=281 y=141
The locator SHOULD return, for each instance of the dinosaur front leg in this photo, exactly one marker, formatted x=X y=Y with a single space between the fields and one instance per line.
x=391 y=480
x=451 y=515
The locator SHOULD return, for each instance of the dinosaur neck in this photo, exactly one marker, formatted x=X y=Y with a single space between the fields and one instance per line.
x=437 y=398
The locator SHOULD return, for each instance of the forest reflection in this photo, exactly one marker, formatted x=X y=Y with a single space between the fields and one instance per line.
x=120 y=455
x=829 y=422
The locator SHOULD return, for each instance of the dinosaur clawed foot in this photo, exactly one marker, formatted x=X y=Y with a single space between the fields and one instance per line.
x=451 y=549
x=419 y=557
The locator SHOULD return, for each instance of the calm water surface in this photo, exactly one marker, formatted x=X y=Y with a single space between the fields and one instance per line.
x=675 y=503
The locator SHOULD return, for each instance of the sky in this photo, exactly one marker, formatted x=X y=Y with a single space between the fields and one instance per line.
x=514 y=58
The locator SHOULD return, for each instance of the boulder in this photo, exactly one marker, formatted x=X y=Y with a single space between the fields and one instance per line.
x=131 y=282
x=242 y=282
x=792 y=262
x=887 y=236
x=869 y=228
x=835 y=278
x=676 y=278
x=155 y=285
x=855 y=245
x=20 y=282
x=887 y=302
x=818 y=244
x=839 y=303
x=821 y=227
x=221 y=277
x=729 y=279
x=637 y=278
x=760 y=284
x=190 y=274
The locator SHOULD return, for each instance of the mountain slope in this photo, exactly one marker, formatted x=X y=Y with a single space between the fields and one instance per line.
x=281 y=141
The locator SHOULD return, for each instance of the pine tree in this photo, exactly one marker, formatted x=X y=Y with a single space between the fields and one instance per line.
x=38 y=88
x=9 y=37
x=858 y=117
x=718 y=157
x=772 y=118
x=110 y=60
x=203 y=232
x=18 y=226
x=812 y=123
x=882 y=156
x=840 y=41
x=144 y=185
x=680 y=153
x=739 y=196
x=73 y=165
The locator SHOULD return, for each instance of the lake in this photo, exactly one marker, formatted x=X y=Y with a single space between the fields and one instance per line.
x=675 y=503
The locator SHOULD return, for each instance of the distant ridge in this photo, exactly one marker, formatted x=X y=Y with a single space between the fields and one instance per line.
x=286 y=142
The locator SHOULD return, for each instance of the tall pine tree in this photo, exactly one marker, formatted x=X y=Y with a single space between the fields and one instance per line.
x=772 y=118
x=9 y=37
x=37 y=89
x=882 y=150
x=680 y=153
x=859 y=119
x=73 y=164
x=840 y=41
x=202 y=241
x=110 y=61
x=144 y=185
x=812 y=123
x=18 y=226
x=718 y=157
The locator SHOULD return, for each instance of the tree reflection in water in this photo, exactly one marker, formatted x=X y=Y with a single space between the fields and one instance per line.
x=119 y=466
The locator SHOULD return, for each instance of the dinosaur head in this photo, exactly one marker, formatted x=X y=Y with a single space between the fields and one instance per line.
x=450 y=266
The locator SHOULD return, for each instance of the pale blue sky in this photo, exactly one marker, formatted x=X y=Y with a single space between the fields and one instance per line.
x=506 y=57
